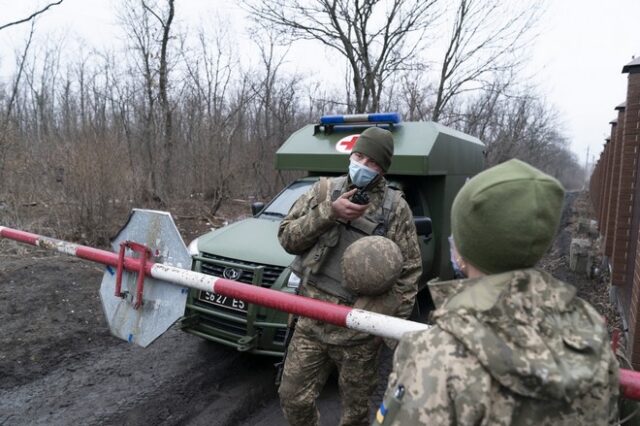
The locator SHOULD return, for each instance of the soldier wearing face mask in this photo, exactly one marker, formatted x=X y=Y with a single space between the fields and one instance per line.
x=320 y=227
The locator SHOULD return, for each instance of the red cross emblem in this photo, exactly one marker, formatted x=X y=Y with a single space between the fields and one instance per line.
x=345 y=145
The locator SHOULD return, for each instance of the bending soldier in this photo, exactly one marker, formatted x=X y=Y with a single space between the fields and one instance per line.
x=320 y=227
x=511 y=344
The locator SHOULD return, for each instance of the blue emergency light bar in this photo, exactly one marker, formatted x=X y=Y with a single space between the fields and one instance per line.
x=377 y=117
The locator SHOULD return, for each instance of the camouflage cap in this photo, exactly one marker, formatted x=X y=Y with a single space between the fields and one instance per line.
x=377 y=144
x=505 y=218
x=371 y=265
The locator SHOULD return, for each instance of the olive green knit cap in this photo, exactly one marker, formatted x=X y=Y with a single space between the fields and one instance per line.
x=506 y=217
x=377 y=144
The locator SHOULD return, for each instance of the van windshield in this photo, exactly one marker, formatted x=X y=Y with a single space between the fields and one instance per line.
x=281 y=205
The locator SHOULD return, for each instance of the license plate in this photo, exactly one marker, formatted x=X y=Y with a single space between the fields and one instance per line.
x=220 y=300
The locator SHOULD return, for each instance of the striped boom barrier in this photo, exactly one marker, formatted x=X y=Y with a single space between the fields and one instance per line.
x=343 y=316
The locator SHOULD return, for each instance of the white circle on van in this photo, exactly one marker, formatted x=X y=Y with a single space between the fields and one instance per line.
x=345 y=145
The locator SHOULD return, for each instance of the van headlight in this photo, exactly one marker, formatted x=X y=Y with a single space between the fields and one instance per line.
x=294 y=281
x=193 y=248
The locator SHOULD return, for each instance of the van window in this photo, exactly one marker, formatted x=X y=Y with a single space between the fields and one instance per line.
x=411 y=189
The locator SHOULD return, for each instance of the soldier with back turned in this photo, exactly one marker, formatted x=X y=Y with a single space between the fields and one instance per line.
x=511 y=345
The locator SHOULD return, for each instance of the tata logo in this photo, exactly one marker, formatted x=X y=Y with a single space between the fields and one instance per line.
x=232 y=273
x=345 y=145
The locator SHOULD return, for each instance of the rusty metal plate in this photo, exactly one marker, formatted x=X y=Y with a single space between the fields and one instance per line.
x=163 y=302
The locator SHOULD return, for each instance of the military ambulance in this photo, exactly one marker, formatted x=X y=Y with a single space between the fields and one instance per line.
x=430 y=164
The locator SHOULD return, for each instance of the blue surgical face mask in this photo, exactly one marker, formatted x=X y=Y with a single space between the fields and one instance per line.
x=457 y=270
x=360 y=174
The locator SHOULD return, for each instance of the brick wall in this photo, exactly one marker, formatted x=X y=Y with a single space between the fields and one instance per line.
x=595 y=189
x=631 y=137
x=606 y=190
x=625 y=165
x=602 y=169
x=614 y=190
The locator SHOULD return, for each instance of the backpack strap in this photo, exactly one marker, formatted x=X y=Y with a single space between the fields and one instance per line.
x=391 y=199
x=323 y=189
x=337 y=184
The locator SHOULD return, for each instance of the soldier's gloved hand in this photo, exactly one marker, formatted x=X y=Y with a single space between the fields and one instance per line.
x=346 y=210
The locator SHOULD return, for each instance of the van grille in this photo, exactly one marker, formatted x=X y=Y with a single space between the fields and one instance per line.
x=270 y=273
x=233 y=327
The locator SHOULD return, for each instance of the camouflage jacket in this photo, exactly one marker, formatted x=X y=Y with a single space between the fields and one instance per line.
x=517 y=348
x=309 y=218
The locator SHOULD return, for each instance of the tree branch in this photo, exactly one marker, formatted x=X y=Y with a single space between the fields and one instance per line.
x=33 y=15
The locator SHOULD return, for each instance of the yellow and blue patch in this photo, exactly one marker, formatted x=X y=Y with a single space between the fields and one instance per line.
x=382 y=411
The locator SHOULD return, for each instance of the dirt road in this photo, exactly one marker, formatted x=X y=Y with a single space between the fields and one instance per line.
x=59 y=365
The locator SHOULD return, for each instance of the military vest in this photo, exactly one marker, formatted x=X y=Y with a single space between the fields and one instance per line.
x=321 y=265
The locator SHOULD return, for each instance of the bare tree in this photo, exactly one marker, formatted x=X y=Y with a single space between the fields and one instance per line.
x=4 y=124
x=487 y=37
x=8 y=108
x=163 y=78
x=415 y=97
x=139 y=31
x=376 y=37
x=215 y=100
x=30 y=17
x=517 y=123
x=272 y=108
x=152 y=64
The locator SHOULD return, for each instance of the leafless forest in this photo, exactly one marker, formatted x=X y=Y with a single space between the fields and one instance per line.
x=176 y=115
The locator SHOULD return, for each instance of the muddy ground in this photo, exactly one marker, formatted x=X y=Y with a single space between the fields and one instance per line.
x=59 y=364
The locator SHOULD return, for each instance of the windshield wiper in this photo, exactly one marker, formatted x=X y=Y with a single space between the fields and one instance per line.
x=276 y=214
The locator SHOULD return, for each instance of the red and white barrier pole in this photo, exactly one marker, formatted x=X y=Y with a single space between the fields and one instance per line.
x=343 y=316
x=630 y=384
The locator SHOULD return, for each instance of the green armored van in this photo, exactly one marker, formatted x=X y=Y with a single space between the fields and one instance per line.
x=430 y=164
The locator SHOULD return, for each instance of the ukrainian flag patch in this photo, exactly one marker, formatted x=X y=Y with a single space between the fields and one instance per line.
x=382 y=411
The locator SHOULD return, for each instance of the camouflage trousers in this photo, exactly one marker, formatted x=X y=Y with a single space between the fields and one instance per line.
x=307 y=367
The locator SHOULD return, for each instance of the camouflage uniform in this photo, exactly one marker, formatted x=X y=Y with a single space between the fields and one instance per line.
x=516 y=348
x=317 y=346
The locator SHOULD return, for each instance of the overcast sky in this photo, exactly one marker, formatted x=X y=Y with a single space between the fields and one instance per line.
x=577 y=59
x=583 y=46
